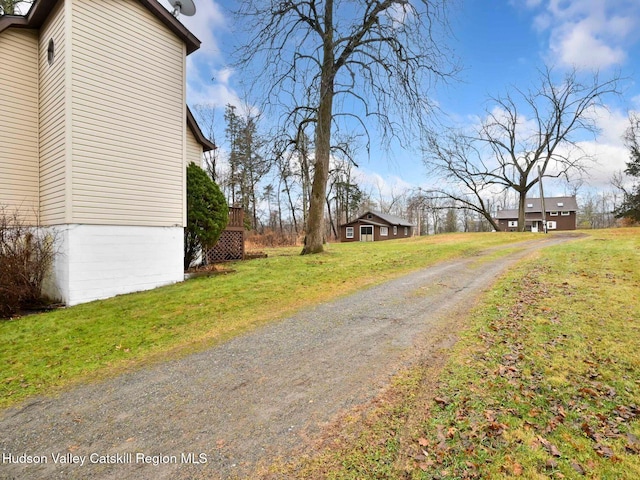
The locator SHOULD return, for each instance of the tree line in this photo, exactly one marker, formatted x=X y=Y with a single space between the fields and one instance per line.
x=269 y=176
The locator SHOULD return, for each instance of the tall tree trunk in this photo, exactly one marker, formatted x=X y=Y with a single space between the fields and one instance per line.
x=521 y=210
x=332 y=224
x=315 y=227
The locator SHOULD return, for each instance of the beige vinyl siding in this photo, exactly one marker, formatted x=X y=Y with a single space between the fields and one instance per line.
x=194 y=149
x=53 y=172
x=128 y=116
x=19 y=122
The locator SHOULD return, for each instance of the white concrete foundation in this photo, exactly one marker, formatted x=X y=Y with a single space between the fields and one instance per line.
x=100 y=261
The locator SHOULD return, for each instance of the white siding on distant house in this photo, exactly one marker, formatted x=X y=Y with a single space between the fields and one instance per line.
x=194 y=149
x=19 y=122
x=128 y=116
x=52 y=120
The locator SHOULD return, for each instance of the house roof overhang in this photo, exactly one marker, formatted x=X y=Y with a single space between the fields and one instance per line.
x=207 y=145
x=40 y=10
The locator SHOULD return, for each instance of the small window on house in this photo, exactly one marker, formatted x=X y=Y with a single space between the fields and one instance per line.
x=529 y=205
x=565 y=214
x=369 y=216
x=395 y=230
x=349 y=232
x=551 y=225
x=406 y=231
x=561 y=204
x=384 y=231
x=513 y=223
x=51 y=52
x=553 y=214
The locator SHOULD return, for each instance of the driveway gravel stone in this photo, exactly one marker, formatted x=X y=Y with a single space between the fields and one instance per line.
x=217 y=413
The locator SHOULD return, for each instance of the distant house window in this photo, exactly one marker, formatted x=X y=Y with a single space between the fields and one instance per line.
x=349 y=232
x=529 y=205
x=551 y=225
x=395 y=230
x=561 y=204
x=406 y=231
x=513 y=223
x=384 y=231
x=51 y=52
x=369 y=216
x=553 y=214
x=565 y=214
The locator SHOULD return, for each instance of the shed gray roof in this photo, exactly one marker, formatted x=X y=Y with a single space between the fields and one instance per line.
x=551 y=204
x=390 y=219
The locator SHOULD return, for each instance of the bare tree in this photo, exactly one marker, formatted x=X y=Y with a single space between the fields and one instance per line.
x=207 y=121
x=382 y=55
x=456 y=158
x=522 y=132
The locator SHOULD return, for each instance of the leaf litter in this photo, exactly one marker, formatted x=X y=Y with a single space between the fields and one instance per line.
x=508 y=361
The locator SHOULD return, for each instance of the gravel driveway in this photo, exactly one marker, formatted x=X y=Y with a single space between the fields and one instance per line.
x=217 y=413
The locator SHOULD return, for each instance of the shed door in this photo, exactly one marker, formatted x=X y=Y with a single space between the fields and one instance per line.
x=366 y=233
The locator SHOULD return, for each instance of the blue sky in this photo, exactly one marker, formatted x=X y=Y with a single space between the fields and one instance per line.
x=499 y=43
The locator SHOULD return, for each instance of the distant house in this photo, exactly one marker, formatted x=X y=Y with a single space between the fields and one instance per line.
x=375 y=226
x=96 y=135
x=561 y=214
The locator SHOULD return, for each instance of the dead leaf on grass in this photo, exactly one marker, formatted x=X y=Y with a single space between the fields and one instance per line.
x=633 y=443
x=551 y=464
x=423 y=442
x=550 y=447
x=588 y=391
x=424 y=466
x=516 y=469
x=578 y=468
x=590 y=432
x=603 y=450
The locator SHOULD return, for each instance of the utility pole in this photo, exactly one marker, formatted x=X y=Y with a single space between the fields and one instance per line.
x=544 y=210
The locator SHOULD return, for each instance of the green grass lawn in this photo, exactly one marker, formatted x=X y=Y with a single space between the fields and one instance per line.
x=543 y=383
x=45 y=352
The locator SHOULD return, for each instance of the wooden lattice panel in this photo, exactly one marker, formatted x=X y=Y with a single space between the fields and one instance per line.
x=230 y=246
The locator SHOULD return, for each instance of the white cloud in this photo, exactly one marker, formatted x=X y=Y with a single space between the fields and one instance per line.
x=223 y=75
x=608 y=149
x=578 y=45
x=207 y=75
x=387 y=187
x=209 y=18
x=215 y=94
x=593 y=34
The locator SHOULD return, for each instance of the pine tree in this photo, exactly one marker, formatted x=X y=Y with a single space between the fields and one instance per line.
x=207 y=214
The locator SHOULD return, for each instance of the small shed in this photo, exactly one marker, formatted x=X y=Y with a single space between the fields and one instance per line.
x=375 y=227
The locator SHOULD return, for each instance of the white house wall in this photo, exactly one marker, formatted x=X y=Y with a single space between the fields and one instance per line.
x=128 y=116
x=194 y=149
x=52 y=135
x=99 y=261
x=106 y=143
x=19 y=122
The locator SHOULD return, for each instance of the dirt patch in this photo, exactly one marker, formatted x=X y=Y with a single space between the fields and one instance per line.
x=222 y=412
